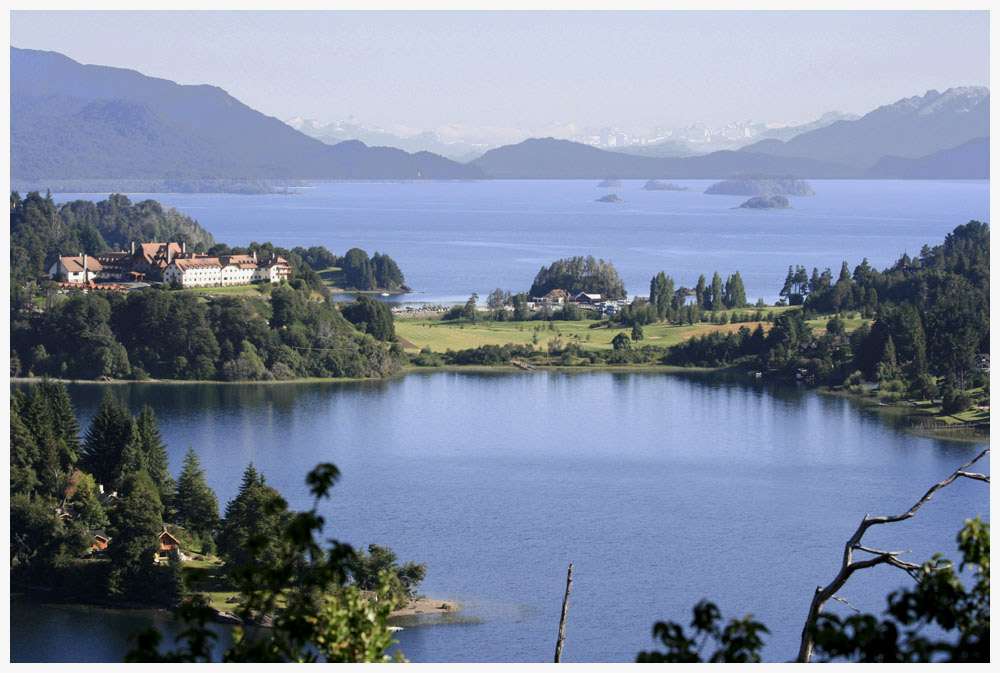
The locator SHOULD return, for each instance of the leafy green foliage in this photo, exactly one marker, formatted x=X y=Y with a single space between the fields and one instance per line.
x=739 y=641
x=316 y=616
x=939 y=598
x=380 y=565
x=372 y=317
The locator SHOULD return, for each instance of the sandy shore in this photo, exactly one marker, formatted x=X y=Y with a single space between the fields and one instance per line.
x=426 y=606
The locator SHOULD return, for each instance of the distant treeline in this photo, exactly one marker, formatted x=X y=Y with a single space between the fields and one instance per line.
x=930 y=322
x=133 y=186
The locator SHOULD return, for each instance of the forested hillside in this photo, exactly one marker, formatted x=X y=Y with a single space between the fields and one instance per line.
x=40 y=230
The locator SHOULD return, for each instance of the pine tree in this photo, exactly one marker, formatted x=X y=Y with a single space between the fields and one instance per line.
x=109 y=433
x=194 y=502
x=251 y=531
x=154 y=454
x=137 y=520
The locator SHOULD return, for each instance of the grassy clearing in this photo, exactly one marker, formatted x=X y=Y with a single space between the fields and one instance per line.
x=439 y=335
x=229 y=289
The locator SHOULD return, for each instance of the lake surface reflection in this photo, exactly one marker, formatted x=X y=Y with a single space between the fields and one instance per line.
x=661 y=489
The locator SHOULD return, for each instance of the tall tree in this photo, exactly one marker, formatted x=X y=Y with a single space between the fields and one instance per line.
x=251 y=531
x=136 y=522
x=716 y=303
x=194 y=502
x=109 y=434
x=153 y=453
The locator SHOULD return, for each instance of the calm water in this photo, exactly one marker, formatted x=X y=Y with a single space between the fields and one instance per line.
x=660 y=489
x=455 y=238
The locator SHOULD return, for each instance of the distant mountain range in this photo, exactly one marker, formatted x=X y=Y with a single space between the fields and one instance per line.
x=336 y=132
x=73 y=121
x=938 y=135
x=69 y=120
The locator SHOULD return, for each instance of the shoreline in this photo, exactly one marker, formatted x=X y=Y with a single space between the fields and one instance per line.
x=417 y=607
x=407 y=369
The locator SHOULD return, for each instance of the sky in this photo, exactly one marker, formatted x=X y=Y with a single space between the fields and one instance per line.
x=472 y=74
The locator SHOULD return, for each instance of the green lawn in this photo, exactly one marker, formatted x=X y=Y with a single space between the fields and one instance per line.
x=229 y=289
x=440 y=335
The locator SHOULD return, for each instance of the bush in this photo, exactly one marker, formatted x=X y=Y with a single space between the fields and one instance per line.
x=955 y=401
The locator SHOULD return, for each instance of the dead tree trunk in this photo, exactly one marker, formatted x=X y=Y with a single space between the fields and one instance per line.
x=562 y=621
x=849 y=565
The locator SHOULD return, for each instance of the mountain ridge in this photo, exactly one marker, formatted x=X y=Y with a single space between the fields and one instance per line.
x=220 y=136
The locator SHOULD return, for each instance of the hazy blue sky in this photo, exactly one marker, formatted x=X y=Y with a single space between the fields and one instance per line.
x=461 y=72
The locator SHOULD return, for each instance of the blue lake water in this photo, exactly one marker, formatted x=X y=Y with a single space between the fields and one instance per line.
x=455 y=238
x=661 y=489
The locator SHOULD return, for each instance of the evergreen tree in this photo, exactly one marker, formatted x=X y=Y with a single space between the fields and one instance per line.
x=699 y=291
x=109 y=434
x=888 y=367
x=251 y=532
x=194 y=502
x=136 y=522
x=153 y=453
x=715 y=303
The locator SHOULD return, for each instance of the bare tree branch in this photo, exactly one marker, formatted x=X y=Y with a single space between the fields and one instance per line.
x=848 y=565
x=845 y=602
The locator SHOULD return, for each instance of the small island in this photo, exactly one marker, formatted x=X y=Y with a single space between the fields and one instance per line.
x=777 y=202
x=610 y=198
x=657 y=186
x=762 y=186
x=610 y=183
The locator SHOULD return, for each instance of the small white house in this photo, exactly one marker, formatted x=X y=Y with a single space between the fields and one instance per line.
x=79 y=269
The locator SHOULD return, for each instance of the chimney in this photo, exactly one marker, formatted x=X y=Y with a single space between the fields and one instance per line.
x=133 y=248
x=170 y=254
x=183 y=246
x=83 y=262
x=254 y=256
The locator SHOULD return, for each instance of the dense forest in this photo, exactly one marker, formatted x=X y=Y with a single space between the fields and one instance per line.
x=87 y=516
x=930 y=321
x=579 y=274
x=280 y=332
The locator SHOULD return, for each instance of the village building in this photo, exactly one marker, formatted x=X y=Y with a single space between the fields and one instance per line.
x=585 y=298
x=200 y=271
x=78 y=269
x=167 y=541
x=557 y=296
x=169 y=262
x=99 y=540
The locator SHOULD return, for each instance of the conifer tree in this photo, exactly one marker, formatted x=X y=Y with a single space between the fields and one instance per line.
x=715 y=302
x=109 y=433
x=154 y=454
x=137 y=520
x=194 y=501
